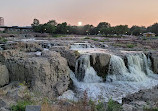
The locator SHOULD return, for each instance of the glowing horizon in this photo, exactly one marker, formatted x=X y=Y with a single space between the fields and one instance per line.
x=124 y=12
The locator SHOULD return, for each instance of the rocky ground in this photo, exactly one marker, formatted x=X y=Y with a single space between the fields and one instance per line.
x=31 y=72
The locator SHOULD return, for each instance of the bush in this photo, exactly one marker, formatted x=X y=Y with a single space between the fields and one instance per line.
x=130 y=45
x=150 y=109
x=95 y=39
x=113 y=106
x=101 y=40
x=20 y=106
x=100 y=106
x=87 y=38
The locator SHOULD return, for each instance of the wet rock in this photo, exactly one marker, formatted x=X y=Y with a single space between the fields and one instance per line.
x=4 y=75
x=100 y=62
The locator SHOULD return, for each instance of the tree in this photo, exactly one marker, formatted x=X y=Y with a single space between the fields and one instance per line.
x=35 y=22
x=103 y=28
x=48 y=28
x=121 y=29
x=36 y=25
x=136 y=30
x=103 y=25
x=52 y=22
x=153 y=28
x=62 y=28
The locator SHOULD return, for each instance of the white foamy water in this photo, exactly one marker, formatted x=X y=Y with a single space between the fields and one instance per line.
x=84 y=72
x=121 y=80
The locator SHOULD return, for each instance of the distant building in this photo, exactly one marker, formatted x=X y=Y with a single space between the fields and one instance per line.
x=1 y=21
x=149 y=34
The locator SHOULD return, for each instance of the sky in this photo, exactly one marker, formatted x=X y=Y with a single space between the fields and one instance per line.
x=116 y=12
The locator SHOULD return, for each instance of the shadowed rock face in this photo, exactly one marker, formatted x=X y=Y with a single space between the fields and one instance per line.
x=154 y=59
x=48 y=74
x=70 y=55
x=100 y=62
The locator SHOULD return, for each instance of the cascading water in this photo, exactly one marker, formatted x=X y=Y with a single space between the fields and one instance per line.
x=122 y=79
x=84 y=72
x=138 y=68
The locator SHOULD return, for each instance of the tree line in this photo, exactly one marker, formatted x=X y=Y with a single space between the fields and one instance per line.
x=103 y=28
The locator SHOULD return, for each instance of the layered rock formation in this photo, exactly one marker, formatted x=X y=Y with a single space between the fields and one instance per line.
x=100 y=62
x=70 y=55
x=4 y=75
x=47 y=74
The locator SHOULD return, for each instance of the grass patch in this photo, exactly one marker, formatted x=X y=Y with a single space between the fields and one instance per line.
x=150 y=109
x=101 y=40
x=3 y=40
x=59 y=35
x=95 y=39
x=87 y=38
x=21 y=105
x=113 y=106
x=130 y=45
x=106 y=39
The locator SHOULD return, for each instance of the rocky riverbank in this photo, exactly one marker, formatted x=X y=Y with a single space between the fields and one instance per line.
x=35 y=69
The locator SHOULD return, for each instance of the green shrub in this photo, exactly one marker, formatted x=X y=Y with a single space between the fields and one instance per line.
x=101 y=40
x=95 y=39
x=4 y=40
x=150 y=109
x=20 y=106
x=106 y=39
x=100 y=106
x=87 y=38
x=130 y=45
x=113 y=106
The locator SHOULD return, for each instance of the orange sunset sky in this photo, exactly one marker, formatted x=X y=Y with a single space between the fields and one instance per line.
x=116 y=12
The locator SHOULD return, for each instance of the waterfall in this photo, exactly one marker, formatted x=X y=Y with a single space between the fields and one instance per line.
x=138 y=68
x=84 y=72
x=124 y=77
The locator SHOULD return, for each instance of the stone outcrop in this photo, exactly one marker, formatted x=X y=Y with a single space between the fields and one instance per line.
x=4 y=75
x=70 y=55
x=154 y=59
x=47 y=74
x=23 y=46
x=100 y=62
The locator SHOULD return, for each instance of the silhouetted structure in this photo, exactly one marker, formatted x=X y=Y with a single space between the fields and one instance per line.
x=1 y=21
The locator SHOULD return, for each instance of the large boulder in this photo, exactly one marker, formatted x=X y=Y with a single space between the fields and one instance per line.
x=100 y=62
x=47 y=74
